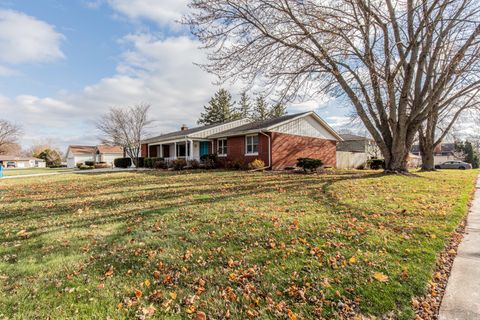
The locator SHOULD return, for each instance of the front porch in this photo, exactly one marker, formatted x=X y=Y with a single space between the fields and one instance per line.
x=189 y=149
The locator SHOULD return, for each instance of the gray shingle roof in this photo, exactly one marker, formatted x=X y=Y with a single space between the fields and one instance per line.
x=258 y=125
x=180 y=133
x=353 y=137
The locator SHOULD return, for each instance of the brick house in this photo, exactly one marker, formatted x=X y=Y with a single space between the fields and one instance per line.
x=278 y=142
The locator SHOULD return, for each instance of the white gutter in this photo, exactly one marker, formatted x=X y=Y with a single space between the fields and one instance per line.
x=269 y=149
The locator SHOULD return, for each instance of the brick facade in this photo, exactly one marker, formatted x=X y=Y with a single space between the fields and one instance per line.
x=144 y=150
x=286 y=149
x=236 y=151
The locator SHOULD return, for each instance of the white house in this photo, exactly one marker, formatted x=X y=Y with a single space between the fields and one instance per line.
x=100 y=153
x=8 y=161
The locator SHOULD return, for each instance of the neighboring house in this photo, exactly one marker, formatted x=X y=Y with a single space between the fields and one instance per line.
x=100 y=153
x=21 y=162
x=354 y=151
x=278 y=142
x=443 y=152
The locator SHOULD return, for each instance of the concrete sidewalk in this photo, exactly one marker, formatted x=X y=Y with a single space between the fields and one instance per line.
x=462 y=296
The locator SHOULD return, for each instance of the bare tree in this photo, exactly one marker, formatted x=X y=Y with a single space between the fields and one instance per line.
x=9 y=134
x=440 y=122
x=395 y=60
x=125 y=127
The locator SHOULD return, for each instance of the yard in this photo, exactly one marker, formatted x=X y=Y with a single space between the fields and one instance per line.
x=223 y=244
x=26 y=171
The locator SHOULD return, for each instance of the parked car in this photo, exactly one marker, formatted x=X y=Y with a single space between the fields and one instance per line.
x=454 y=165
x=11 y=164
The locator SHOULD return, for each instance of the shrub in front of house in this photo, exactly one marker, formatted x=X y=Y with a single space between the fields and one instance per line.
x=178 y=164
x=103 y=165
x=141 y=162
x=236 y=165
x=90 y=163
x=194 y=164
x=376 y=164
x=85 y=167
x=159 y=163
x=256 y=164
x=309 y=164
x=123 y=162
x=210 y=161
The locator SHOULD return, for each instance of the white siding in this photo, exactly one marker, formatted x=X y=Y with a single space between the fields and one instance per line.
x=110 y=157
x=305 y=126
x=219 y=128
x=351 y=160
x=72 y=161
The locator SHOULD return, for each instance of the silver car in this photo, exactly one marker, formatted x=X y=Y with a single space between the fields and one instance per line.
x=454 y=165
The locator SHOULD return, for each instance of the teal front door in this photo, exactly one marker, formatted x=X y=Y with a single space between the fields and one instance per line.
x=203 y=148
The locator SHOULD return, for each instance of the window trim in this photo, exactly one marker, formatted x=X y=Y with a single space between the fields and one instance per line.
x=225 y=146
x=246 y=144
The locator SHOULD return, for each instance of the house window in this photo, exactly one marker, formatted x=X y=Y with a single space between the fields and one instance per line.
x=251 y=145
x=222 y=147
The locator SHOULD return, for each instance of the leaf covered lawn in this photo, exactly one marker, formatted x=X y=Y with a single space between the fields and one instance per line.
x=223 y=244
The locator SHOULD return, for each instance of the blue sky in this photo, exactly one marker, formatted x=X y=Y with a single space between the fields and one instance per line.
x=64 y=63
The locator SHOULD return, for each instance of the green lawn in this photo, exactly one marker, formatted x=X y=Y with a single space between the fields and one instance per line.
x=22 y=172
x=229 y=244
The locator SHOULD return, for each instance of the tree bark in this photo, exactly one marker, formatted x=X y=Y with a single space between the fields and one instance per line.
x=427 y=154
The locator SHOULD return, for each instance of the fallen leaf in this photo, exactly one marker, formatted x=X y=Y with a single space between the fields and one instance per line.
x=200 y=316
x=380 y=277
x=291 y=315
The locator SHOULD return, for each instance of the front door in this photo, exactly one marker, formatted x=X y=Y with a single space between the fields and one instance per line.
x=204 y=148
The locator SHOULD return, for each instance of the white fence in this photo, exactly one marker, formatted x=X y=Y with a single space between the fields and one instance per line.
x=351 y=160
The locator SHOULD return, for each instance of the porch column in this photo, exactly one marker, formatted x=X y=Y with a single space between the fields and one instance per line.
x=161 y=151
x=148 y=150
x=191 y=149
x=175 y=152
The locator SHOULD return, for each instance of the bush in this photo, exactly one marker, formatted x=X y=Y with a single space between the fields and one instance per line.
x=309 y=164
x=123 y=162
x=158 y=163
x=90 y=163
x=194 y=164
x=376 y=164
x=210 y=161
x=289 y=168
x=235 y=165
x=178 y=164
x=85 y=167
x=141 y=162
x=256 y=164
x=102 y=165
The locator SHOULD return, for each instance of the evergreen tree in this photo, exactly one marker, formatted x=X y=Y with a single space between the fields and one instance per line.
x=261 y=109
x=219 y=109
x=244 y=106
x=278 y=110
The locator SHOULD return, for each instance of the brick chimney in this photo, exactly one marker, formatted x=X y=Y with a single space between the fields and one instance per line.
x=184 y=127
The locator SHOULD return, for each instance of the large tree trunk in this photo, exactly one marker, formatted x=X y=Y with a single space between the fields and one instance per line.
x=397 y=161
x=426 y=151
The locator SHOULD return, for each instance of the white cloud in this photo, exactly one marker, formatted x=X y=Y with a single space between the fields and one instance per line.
x=163 y=12
x=25 y=39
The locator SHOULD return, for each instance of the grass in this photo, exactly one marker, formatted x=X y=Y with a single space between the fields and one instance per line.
x=230 y=244
x=26 y=171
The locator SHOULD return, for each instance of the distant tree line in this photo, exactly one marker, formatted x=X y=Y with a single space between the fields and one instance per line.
x=222 y=108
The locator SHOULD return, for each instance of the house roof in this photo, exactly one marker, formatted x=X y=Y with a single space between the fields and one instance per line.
x=266 y=125
x=82 y=149
x=181 y=133
x=104 y=148
x=258 y=125
x=353 y=137
x=16 y=158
